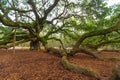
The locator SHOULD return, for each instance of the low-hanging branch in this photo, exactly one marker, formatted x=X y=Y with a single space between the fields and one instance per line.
x=97 y=33
x=13 y=24
x=85 y=51
x=11 y=44
x=8 y=39
x=78 y=50
x=8 y=45
x=96 y=46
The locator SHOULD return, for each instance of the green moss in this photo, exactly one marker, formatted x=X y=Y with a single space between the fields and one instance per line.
x=65 y=62
x=63 y=54
x=78 y=69
x=115 y=58
x=90 y=72
x=43 y=40
x=112 y=77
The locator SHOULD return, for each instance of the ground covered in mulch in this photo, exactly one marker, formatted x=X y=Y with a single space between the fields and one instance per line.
x=32 y=65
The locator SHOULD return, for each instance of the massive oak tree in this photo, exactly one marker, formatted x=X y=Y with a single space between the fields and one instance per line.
x=81 y=21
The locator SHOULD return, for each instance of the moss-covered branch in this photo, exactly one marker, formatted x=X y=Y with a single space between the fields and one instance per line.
x=73 y=67
x=79 y=69
x=16 y=43
x=97 y=33
x=11 y=44
x=8 y=38
x=13 y=24
x=85 y=51
x=96 y=46
x=114 y=58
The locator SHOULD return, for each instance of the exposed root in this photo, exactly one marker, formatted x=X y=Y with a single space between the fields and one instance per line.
x=114 y=58
x=73 y=67
x=105 y=50
x=79 y=69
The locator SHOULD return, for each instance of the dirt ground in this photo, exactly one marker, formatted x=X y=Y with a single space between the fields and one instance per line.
x=32 y=65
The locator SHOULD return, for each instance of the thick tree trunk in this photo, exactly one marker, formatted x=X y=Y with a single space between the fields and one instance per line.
x=35 y=45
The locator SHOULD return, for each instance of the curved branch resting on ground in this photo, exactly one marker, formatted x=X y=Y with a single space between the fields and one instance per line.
x=73 y=67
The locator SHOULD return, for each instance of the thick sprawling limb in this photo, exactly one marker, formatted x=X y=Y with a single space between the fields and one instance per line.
x=73 y=67
x=74 y=51
x=97 y=33
x=114 y=58
x=78 y=69
x=86 y=51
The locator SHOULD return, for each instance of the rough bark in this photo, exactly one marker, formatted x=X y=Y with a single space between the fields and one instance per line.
x=17 y=43
x=56 y=52
x=96 y=46
x=35 y=45
x=75 y=51
x=97 y=33
x=85 y=51
x=114 y=58
x=79 y=69
x=73 y=67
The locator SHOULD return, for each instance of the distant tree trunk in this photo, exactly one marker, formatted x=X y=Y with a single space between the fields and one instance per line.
x=14 y=40
x=35 y=45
